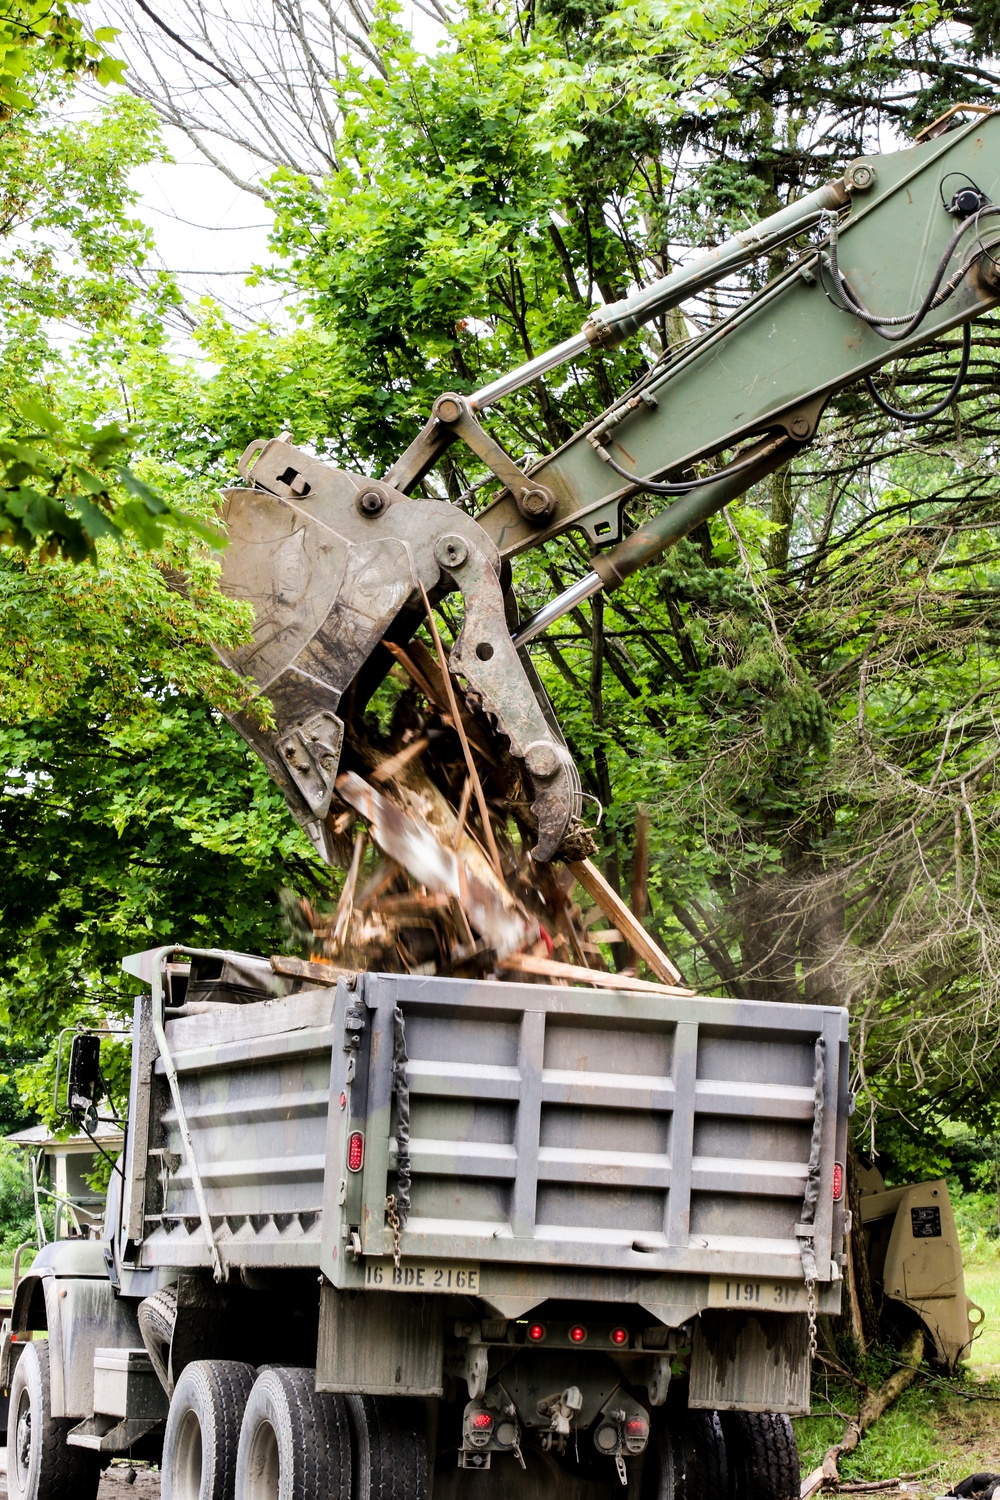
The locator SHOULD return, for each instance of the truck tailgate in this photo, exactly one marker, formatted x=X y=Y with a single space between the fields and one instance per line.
x=564 y=1127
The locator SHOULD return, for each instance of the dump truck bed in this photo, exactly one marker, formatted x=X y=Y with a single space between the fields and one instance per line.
x=562 y=1141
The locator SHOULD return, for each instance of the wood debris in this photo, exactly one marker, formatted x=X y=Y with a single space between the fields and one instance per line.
x=435 y=843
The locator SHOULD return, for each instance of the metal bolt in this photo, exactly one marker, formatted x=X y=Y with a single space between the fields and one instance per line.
x=861 y=177
x=448 y=409
x=537 y=503
x=800 y=427
x=541 y=760
x=451 y=551
x=371 y=503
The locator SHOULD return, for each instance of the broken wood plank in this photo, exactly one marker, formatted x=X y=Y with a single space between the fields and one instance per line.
x=413 y=671
x=491 y=909
x=345 y=906
x=551 y=968
x=304 y=968
x=394 y=763
x=477 y=786
x=414 y=901
x=420 y=666
x=632 y=931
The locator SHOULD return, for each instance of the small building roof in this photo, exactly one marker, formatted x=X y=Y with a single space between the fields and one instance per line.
x=41 y=1137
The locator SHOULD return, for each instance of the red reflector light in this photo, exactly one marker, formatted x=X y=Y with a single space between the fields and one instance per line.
x=637 y=1425
x=619 y=1335
x=577 y=1334
x=356 y=1152
x=482 y=1421
x=838 y=1181
x=536 y=1333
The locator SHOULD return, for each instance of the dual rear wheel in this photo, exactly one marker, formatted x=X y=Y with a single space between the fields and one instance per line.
x=235 y=1435
x=707 y=1455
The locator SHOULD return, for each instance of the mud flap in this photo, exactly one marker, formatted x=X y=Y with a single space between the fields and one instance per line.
x=750 y=1362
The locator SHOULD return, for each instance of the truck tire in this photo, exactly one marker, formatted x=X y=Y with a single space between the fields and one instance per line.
x=157 y=1316
x=763 y=1456
x=40 y=1465
x=388 y=1448
x=203 y=1430
x=295 y=1443
x=686 y=1458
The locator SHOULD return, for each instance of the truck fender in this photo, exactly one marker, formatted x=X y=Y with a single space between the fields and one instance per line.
x=28 y=1315
x=68 y=1294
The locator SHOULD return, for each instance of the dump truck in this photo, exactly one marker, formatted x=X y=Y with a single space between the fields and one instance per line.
x=408 y=1233
x=458 y=1226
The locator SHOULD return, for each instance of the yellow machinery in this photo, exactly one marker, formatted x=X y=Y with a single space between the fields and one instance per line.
x=915 y=1259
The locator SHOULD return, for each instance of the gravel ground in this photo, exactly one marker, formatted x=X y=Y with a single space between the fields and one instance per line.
x=114 y=1485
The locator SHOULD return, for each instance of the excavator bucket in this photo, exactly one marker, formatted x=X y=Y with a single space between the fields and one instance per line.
x=336 y=567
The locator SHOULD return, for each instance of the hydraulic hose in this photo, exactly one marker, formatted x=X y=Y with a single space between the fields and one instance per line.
x=681 y=487
x=939 y=406
x=896 y=329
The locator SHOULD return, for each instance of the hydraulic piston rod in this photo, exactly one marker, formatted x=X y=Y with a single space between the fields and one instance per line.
x=647 y=543
x=609 y=325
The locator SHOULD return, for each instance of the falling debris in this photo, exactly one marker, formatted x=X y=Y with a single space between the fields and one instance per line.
x=434 y=826
x=492 y=912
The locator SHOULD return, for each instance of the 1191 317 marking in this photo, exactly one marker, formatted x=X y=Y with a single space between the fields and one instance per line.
x=421 y=1277
x=771 y=1295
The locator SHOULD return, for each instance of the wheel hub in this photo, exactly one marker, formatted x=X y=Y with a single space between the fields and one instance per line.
x=22 y=1445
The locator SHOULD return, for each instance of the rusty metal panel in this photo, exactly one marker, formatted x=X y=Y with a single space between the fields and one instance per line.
x=750 y=1362
x=376 y=1345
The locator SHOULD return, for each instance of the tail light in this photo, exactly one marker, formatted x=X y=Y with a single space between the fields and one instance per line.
x=355 y=1151
x=636 y=1434
x=619 y=1336
x=838 y=1181
x=478 y=1424
x=536 y=1332
x=578 y=1334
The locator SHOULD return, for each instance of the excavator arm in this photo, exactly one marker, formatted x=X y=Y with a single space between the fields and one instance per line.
x=340 y=568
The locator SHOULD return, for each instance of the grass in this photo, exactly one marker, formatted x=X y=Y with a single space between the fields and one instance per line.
x=906 y=1440
x=951 y=1424
x=983 y=1286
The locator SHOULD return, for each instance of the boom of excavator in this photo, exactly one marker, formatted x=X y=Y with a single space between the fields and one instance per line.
x=342 y=569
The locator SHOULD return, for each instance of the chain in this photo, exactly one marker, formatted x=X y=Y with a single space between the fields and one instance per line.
x=811 y=1306
x=393 y=1218
x=619 y=1459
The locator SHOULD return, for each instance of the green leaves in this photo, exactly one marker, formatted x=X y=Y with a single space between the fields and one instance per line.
x=151 y=825
x=48 y=34
x=449 y=244
x=63 y=488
